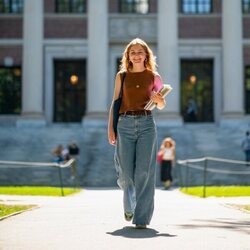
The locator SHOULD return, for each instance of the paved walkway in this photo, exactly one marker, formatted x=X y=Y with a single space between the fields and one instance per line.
x=93 y=220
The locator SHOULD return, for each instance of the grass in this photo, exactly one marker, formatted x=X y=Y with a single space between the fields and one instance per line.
x=44 y=191
x=221 y=191
x=12 y=209
x=218 y=191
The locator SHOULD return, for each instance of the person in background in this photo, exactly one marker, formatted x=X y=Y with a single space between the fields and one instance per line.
x=60 y=153
x=136 y=141
x=245 y=145
x=167 y=155
x=192 y=110
x=65 y=154
x=57 y=153
x=73 y=149
x=74 y=152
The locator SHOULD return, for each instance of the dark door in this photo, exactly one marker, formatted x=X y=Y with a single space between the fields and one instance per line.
x=197 y=90
x=247 y=89
x=70 y=90
x=10 y=90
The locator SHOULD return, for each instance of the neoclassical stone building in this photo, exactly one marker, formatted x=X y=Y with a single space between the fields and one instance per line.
x=58 y=58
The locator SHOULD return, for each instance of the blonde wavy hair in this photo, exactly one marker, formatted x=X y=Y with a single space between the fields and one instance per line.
x=149 y=63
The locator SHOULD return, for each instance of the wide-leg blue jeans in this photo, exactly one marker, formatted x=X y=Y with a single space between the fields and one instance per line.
x=135 y=161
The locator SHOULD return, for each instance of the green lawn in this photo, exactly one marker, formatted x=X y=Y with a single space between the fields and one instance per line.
x=221 y=191
x=45 y=191
x=11 y=209
x=218 y=191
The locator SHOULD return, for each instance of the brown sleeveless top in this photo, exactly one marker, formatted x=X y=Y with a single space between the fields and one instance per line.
x=137 y=89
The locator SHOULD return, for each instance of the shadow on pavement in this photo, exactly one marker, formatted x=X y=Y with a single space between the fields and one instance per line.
x=131 y=232
x=223 y=223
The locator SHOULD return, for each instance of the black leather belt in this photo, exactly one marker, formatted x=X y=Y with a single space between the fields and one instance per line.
x=137 y=112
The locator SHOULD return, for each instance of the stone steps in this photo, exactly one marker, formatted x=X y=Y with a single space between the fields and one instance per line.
x=95 y=162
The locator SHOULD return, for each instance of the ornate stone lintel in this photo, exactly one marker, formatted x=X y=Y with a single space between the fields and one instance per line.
x=127 y=27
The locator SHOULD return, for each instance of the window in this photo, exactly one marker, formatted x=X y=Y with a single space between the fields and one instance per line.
x=134 y=6
x=11 y=6
x=71 y=6
x=10 y=90
x=247 y=90
x=196 y=6
x=246 y=6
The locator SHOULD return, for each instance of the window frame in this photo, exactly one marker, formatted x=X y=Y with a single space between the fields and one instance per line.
x=196 y=12
x=133 y=4
x=248 y=6
x=9 y=6
x=70 y=7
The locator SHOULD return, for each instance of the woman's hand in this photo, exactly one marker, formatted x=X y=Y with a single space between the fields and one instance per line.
x=159 y=100
x=111 y=136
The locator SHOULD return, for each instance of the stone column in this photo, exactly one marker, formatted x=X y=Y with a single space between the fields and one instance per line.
x=168 y=57
x=97 y=85
x=32 y=67
x=232 y=60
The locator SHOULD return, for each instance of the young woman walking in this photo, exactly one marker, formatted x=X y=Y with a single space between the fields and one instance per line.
x=136 y=140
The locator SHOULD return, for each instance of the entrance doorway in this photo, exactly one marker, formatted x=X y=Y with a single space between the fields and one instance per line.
x=70 y=90
x=10 y=90
x=197 y=90
x=247 y=89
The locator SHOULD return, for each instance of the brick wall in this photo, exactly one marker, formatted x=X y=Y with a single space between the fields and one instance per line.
x=113 y=6
x=11 y=51
x=217 y=6
x=65 y=27
x=246 y=52
x=199 y=27
x=153 y=6
x=246 y=27
x=11 y=27
x=49 y=6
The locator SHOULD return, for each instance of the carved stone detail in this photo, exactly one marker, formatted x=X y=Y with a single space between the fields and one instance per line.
x=123 y=28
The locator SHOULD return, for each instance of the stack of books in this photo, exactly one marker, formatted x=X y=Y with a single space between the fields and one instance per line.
x=164 y=91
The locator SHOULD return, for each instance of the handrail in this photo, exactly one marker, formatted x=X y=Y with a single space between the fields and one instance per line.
x=215 y=170
x=189 y=163
x=41 y=164
x=69 y=163
x=211 y=159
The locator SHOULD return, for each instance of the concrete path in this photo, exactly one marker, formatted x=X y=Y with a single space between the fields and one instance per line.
x=93 y=220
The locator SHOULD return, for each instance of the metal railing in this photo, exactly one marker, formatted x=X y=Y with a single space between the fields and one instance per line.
x=189 y=163
x=69 y=164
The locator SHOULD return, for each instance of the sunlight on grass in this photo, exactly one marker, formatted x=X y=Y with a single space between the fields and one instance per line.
x=11 y=209
x=44 y=191
x=218 y=191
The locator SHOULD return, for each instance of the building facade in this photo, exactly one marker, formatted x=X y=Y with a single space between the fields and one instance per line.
x=58 y=58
